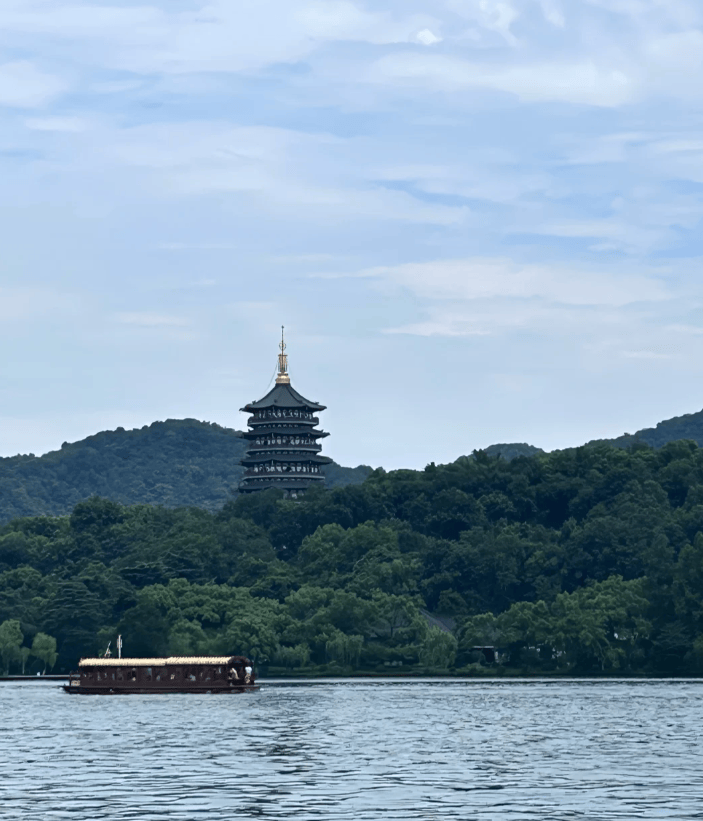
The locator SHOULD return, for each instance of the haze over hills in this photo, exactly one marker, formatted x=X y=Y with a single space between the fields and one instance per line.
x=185 y=462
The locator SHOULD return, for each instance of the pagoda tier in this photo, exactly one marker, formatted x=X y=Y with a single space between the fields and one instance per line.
x=283 y=447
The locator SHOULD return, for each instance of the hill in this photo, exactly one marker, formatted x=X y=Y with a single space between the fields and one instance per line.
x=184 y=462
x=579 y=562
x=689 y=426
x=512 y=450
x=176 y=463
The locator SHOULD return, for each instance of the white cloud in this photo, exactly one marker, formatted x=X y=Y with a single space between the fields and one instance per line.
x=217 y=36
x=288 y=169
x=427 y=38
x=59 y=124
x=146 y=319
x=23 y=85
x=19 y=304
x=579 y=82
x=679 y=51
x=478 y=278
x=552 y=12
x=652 y=355
x=498 y=317
x=494 y=15
x=610 y=234
x=484 y=175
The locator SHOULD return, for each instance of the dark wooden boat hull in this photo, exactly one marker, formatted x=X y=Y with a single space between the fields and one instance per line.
x=113 y=691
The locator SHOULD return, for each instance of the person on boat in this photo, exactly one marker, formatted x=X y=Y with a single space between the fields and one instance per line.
x=247 y=674
x=233 y=674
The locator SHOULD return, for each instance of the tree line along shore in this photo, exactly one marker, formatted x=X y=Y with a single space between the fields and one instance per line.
x=580 y=562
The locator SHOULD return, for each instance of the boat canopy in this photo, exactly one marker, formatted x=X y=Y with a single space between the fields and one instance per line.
x=162 y=662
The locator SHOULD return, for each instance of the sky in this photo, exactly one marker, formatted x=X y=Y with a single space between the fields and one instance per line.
x=479 y=220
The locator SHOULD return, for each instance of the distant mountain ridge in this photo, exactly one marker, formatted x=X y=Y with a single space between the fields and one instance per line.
x=688 y=426
x=185 y=462
x=176 y=463
x=512 y=450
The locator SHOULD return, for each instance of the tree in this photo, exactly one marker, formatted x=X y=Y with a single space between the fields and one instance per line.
x=290 y=657
x=599 y=627
x=344 y=649
x=187 y=638
x=438 y=649
x=44 y=648
x=254 y=636
x=525 y=632
x=11 y=638
x=478 y=631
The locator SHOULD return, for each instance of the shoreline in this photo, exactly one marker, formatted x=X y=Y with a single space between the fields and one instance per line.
x=378 y=678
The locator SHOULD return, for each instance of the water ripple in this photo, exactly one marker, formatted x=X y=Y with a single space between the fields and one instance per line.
x=435 y=750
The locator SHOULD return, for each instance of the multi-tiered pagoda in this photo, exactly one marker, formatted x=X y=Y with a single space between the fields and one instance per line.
x=283 y=450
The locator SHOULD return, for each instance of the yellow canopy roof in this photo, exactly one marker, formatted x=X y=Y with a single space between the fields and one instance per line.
x=113 y=662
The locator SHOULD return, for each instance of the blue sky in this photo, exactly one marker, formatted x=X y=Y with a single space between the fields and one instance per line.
x=478 y=219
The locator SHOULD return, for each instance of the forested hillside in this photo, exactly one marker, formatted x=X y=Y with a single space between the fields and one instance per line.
x=582 y=561
x=688 y=426
x=174 y=463
x=182 y=462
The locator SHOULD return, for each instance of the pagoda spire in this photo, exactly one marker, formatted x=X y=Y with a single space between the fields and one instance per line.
x=282 y=378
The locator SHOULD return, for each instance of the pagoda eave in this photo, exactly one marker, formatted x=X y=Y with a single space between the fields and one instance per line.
x=283 y=396
x=272 y=431
x=283 y=420
x=301 y=458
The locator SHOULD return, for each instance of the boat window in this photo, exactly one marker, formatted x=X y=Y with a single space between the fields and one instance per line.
x=147 y=676
x=159 y=674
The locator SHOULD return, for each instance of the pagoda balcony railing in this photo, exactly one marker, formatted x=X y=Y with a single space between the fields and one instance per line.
x=273 y=420
x=294 y=471
x=291 y=446
x=282 y=477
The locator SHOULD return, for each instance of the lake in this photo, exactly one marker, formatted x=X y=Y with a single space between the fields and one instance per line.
x=439 y=749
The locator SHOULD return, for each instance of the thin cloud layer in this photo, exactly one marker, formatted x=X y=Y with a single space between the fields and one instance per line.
x=507 y=191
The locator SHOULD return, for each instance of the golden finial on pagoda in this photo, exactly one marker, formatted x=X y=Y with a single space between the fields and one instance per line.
x=282 y=378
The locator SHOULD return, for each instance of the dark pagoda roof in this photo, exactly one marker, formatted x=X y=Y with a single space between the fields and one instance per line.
x=283 y=396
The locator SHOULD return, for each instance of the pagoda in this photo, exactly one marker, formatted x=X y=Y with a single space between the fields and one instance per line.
x=283 y=450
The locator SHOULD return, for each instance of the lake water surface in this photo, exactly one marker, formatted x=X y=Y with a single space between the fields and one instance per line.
x=357 y=750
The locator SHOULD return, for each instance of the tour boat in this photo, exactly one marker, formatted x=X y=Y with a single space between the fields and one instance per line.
x=176 y=674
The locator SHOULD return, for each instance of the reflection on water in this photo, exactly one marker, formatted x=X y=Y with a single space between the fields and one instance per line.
x=411 y=750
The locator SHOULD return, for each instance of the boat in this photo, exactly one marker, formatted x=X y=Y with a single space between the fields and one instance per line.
x=175 y=674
